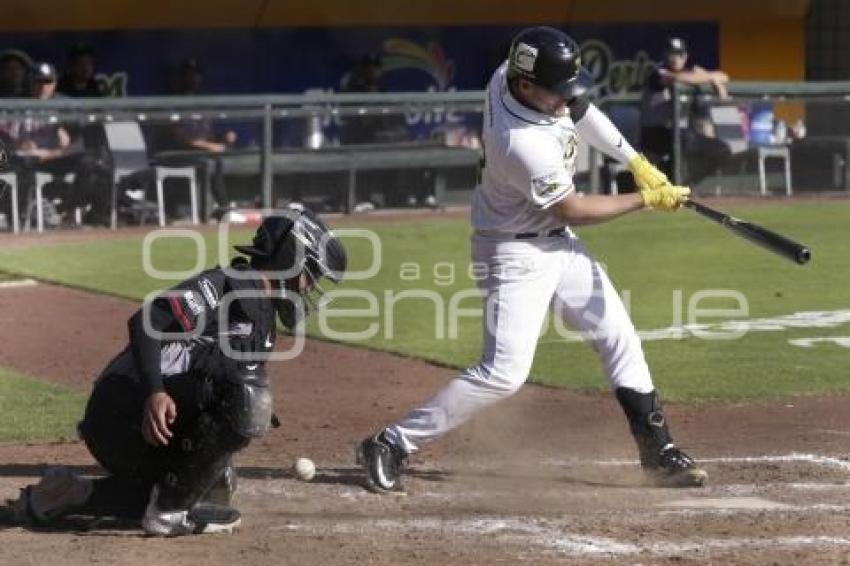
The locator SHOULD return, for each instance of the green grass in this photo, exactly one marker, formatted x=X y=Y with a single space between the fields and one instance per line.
x=32 y=410
x=650 y=255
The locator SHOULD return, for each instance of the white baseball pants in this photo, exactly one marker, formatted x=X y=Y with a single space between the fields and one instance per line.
x=524 y=279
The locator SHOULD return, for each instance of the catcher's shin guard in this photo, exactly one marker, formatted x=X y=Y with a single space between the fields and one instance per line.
x=224 y=489
x=659 y=456
x=199 y=459
x=242 y=410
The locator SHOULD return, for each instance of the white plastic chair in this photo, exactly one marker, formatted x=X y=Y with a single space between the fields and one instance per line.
x=41 y=179
x=727 y=124
x=11 y=179
x=130 y=155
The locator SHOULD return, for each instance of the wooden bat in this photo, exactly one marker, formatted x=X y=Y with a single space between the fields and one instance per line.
x=772 y=241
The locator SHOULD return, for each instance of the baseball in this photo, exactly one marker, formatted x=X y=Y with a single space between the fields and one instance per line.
x=304 y=468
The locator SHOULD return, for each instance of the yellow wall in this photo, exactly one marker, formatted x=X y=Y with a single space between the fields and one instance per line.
x=759 y=39
x=773 y=50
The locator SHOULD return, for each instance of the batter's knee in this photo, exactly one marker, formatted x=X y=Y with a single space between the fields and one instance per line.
x=501 y=381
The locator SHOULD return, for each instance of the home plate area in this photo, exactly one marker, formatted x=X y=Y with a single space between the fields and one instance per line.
x=760 y=507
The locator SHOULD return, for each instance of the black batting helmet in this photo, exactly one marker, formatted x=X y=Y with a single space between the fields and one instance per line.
x=549 y=58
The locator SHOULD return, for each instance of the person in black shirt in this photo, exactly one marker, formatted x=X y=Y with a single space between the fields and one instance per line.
x=657 y=114
x=79 y=80
x=197 y=134
x=190 y=389
x=15 y=67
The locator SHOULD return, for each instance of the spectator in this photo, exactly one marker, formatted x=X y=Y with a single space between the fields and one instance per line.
x=703 y=153
x=389 y=128
x=198 y=135
x=14 y=74
x=38 y=139
x=79 y=80
x=373 y=128
x=43 y=146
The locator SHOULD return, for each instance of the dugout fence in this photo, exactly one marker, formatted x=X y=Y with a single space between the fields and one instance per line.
x=344 y=149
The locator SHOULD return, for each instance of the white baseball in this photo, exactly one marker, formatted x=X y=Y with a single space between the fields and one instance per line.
x=304 y=468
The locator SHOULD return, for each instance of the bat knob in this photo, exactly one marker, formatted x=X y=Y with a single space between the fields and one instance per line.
x=803 y=256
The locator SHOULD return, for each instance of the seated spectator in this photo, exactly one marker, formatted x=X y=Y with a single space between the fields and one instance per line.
x=79 y=79
x=198 y=135
x=365 y=77
x=15 y=67
x=702 y=152
x=44 y=146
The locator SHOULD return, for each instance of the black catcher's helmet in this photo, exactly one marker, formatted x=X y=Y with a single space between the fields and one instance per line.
x=549 y=58
x=291 y=242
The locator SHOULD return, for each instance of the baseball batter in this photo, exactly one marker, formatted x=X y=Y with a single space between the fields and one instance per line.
x=522 y=211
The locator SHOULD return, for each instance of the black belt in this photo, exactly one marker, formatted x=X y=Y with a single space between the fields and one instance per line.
x=550 y=233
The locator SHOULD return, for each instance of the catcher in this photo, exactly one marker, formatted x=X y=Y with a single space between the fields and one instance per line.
x=190 y=390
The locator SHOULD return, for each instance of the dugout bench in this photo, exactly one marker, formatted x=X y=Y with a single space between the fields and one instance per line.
x=351 y=160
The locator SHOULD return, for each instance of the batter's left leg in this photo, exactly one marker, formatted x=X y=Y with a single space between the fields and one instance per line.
x=588 y=301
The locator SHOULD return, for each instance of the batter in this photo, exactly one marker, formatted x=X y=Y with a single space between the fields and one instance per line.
x=522 y=211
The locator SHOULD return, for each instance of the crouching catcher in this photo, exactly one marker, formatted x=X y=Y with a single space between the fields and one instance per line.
x=190 y=390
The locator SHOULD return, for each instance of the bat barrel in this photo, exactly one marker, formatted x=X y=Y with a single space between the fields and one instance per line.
x=771 y=241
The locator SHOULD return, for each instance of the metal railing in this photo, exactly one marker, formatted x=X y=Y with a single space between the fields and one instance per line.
x=754 y=91
x=268 y=108
x=264 y=108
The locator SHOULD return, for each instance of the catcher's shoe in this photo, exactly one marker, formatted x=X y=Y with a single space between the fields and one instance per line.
x=201 y=518
x=671 y=467
x=59 y=492
x=382 y=463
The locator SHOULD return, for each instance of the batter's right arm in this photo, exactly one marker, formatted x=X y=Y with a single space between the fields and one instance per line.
x=576 y=209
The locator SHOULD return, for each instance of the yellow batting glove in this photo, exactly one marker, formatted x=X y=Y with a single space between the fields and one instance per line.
x=667 y=197
x=647 y=176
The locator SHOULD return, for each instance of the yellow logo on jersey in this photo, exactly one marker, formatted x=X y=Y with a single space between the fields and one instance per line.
x=548 y=189
x=571 y=149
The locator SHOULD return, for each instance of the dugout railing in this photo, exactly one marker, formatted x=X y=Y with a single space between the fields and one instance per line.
x=416 y=148
x=819 y=160
x=784 y=137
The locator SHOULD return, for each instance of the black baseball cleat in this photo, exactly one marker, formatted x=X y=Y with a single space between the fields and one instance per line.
x=382 y=463
x=671 y=467
x=664 y=463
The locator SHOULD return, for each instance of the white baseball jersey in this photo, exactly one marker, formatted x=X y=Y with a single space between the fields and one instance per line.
x=529 y=162
x=529 y=166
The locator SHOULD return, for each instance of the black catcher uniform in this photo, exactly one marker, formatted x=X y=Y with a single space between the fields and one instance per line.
x=204 y=343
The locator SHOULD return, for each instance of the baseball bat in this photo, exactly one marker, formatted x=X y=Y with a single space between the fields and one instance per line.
x=772 y=241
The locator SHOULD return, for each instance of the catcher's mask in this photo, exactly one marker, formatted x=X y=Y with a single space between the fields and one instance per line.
x=294 y=242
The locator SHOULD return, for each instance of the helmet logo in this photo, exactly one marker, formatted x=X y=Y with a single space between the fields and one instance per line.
x=525 y=57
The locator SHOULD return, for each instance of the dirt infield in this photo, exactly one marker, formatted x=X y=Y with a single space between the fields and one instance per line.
x=547 y=477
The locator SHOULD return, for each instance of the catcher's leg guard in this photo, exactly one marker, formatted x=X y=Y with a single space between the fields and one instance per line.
x=197 y=461
x=659 y=456
x=224 y=489
x=241 y=410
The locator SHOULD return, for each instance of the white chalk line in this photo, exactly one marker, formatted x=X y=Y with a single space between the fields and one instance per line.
x=730 y=328
x=15 y=283
x=791 y=458
x=551 y=535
